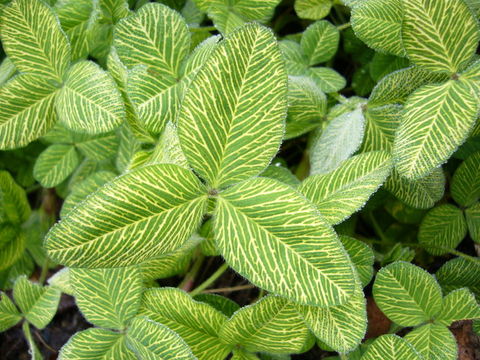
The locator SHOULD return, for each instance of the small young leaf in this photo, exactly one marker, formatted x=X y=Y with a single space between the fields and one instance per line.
x=61 y=281
x=154 y=210
x=439 y=35
x=407 y=294
x=37 y=303
x=227 y=112
x=341 y=327
x=433 y=342
x=339 y=140
x=419 y=194
x=437 y=119
x=99 y=147
x=96 y=344
x=458 y=305
x=472 y=214
x=197 y=323
x=9 y=314
x=33 y=39
x=313 y=9
x=272 y=323
x=391 y=347
x=328 y=80
x=320 y=42
x=261 y=217
x=362 y=257
x=15 y=207
x=443 y=226
x=26 y=110
x=90 y=101
x=466 y=181
x=108 y=298
x=307 y=106
x=379 y=24
x=345 y=190
x=55 y=164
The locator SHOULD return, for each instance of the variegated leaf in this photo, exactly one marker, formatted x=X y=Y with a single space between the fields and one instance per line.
x=55 y=164
x=362 y=257
x=26 y=110
x=89 y=101
x=437 y=119
x=197 y=323
x=231 y=127
x=313 y=9
x=271 y=324
x=458 y=305
x=381 y=123
x=9 y=314
x=458 y=273
x=140 y=215
x=15 y=207
x=320 y=42
x=465 y=185
x=340 y=193
x=33 y=39
x=407 y=294
x=433 y=342
x=391 y=347
x=12 y=245
x=472 y=215
x=261 y=217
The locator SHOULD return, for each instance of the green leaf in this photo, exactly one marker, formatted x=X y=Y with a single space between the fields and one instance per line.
x=384 y=64
x=61 y=281
x=114 y=10
x=153 y=341
x=26 y=110
x=197 y=323
x=443 y=228
x=15 y=206
x=328 y=80
x=154 y=210
x=312 y=9
x=221 y=303
x=433 y=342
x=99 y=147
x=168 y=265
x=465 y=186
x=90 y=101
x=342 y=192
x=55 y=164
x=362 y=257
x=320 y=42
x=458 y=305
x=85 y=188
x=307 y=106
x=271 y=324
x=419 y=194
x=407 y=294
x=76 y=19
x=9 y=314
x=379 y=24
x=397 y=87
x=37 y=303
x=96 y=344
x=12 y=245
x=458 y=273
x=437 y=119
x=243 y=355
x=441 y=35
x=33 y=39
x=391 y=347
x=228 y=97
x=472 y=215
x=155 y=36
x=341 y=327
x=261 y=217
x=381 y=123
x=108 y=298
x=338 y=141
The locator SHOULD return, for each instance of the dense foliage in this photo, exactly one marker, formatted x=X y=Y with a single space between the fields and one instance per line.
x=324 y=150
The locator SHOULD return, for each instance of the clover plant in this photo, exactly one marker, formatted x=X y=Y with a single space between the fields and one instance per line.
x=326 y=151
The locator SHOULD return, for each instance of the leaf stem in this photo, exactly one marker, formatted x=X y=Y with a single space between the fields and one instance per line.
x=344 y=26
x=230 y=289
x=450 y=251
x=44 y=273
x=189 y=279
x=377 y=228
x=202 y=29
x=210 y=280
